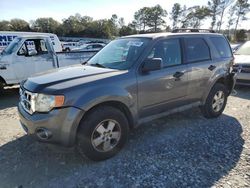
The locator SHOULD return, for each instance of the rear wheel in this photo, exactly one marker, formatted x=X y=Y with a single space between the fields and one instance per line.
x=215 y=102
x=102 y=133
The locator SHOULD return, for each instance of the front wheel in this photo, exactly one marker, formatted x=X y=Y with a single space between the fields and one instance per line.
x=215 y=102
x=102 y=133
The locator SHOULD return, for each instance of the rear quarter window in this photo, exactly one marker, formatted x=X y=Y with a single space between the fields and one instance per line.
x=222 y=47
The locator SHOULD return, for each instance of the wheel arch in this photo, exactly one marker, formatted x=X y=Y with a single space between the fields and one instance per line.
x=226 y=80
x=118 y=105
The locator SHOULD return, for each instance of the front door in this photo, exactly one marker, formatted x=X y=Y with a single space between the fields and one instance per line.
x=23 y=64
x=161 y=90
x=26 y=65
x=44 y=57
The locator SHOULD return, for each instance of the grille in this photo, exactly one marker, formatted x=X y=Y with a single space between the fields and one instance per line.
x=243 y=81
x=244 y=68
x=26 y=100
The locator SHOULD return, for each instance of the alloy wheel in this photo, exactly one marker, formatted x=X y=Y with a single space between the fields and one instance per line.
x=106 y=135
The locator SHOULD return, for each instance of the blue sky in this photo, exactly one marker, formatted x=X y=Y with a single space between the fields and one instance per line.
x=98 y=9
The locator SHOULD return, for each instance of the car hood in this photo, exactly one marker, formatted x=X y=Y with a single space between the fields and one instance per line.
x=67 y=77
x=5 y=59
x=242 y=59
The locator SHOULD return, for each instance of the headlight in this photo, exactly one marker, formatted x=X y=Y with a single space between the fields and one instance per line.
x=45 y=103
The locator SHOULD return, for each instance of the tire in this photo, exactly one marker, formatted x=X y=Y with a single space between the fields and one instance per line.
x=95 y=138
x=214 y=108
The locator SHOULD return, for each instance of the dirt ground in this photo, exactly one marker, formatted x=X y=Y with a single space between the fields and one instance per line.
x=181 y=150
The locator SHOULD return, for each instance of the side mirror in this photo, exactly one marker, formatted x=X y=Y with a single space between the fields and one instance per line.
x=152 y=64
x=32 y=52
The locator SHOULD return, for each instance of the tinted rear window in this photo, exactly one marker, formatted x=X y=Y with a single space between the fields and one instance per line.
x=221 y=46
x=197 y=50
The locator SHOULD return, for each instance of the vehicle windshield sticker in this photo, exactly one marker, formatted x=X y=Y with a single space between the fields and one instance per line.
x=135 y=43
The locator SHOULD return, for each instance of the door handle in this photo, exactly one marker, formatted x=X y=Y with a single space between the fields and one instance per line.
x=178 y=75
x=211 y=67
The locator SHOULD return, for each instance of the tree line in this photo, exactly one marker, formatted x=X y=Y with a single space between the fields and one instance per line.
x=146 y=20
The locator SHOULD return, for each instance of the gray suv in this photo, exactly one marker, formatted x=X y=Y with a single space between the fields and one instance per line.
x=133 y=80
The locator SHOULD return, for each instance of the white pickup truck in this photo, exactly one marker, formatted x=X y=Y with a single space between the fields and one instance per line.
x=29 y=55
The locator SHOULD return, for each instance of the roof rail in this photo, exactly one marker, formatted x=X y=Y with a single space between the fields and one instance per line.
x=193 y=30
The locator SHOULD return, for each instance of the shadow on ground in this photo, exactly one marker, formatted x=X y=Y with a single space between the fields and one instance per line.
x=9 y=98
x=181 y=150
x=243 y=92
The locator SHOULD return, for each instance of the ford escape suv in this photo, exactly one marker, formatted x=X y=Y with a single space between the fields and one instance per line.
x=132 y=80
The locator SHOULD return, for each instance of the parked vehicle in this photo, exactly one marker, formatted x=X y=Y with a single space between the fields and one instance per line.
x=68 y=46
x=82 y=42
x=28 y=55
x=242 y=62
x=6 y=37
x=90 y=47
x=133 y=80
x=235 y=47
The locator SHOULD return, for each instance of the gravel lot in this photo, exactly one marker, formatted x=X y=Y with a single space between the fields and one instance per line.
x=181 y=150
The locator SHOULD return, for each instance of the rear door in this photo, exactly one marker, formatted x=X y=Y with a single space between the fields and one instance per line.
x=163 y=89
x=200 y=66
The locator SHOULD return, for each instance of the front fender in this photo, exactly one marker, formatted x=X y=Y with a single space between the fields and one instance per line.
x=105 y=94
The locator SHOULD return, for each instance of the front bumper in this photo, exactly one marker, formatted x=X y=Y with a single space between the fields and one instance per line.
x=243 y=79
x=243 y=74
x=61 y=123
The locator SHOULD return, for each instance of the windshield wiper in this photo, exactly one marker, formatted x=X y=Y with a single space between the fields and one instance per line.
x=98 y=65
x=85 y=63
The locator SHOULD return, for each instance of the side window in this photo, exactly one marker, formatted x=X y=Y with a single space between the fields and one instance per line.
x=33 y=44
x=222 y=47
x=169 y=51
x=42 y=48
x=89 y=47
x=97 y=46
x=23 y=50
x=30 y=45
x=197 y=50
x=27 y=46
x=37 y=44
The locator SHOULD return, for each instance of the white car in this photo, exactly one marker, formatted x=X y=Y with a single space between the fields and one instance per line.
x=235 y=47
x=68 y=46
x=242 y=61
x=90 y=47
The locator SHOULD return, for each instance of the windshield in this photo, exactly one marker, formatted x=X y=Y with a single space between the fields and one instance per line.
x=120 y=54
x=244 y=49
x=12 y=46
